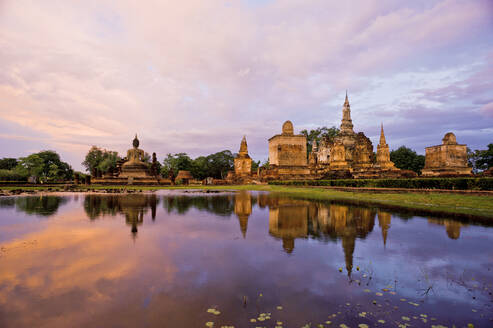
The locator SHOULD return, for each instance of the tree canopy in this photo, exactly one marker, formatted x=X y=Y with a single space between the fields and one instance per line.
x=407 y=159
x=214 y=165
x=318 y=134
x=45 y=165
x=481 y=160
x=8 y=163
x=101 y=160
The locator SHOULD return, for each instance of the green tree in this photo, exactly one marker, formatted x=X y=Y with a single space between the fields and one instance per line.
x=8 y=163
x=93 y=158
x=318 y=134
x=219 y=164
x=407 y=159
x=176 y=162
x=481 y=160
x=200 y=167
x=46 y=166
x=255 y=165
x=100 y=160
x=214 y=165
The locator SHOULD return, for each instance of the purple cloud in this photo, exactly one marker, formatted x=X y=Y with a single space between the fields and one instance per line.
x=196 y=77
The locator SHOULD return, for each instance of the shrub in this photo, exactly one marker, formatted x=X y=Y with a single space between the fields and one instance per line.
x=419 y=183
x=10 y=175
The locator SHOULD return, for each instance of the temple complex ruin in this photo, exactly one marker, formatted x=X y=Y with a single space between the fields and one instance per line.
x=447 y=159
x=349 y=154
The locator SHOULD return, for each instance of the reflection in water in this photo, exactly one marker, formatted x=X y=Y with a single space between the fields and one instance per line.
x=288 y=220
x=243 y=209
x=133 y=206
x=452 y=227
x=181 y=204
x=291 y=219
x=35 y=205
x=89 y=271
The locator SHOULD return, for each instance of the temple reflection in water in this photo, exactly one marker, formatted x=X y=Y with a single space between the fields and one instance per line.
x=298 y=219
x=289 y=219
x=133 y=206
x=243 y=209
x=452 y=227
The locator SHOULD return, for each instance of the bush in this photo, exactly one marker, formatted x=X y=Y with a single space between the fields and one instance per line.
x=10 y=175
x=420 y=183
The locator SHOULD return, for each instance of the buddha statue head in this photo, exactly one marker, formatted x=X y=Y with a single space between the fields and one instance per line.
x=136 y=142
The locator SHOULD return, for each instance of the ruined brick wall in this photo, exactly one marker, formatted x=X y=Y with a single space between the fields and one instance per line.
x=446 y=156
x=287 y=150
x=243 y=166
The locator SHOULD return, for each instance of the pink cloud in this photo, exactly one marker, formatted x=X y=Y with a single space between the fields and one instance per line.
x=198 y=75
x=487 y=109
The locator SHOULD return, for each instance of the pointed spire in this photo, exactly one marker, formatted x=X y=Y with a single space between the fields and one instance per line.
x=348 y=245
x=382 y=136
x=346 y=122
x=243 y=219
x=384 y=220
x=243 y=147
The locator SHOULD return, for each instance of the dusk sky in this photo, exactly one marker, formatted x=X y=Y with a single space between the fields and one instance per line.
x=195 y=76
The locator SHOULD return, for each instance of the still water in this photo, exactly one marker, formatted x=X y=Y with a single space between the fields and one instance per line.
x=185 y=259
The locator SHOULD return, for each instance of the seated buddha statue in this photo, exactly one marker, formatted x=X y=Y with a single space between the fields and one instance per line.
x=134 y=166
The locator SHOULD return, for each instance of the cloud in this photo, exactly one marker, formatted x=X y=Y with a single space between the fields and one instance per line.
x=197 y=76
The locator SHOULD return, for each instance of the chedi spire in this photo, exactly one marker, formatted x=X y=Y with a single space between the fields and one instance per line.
x=346 y=122
x=383 y=142
x=243 y=147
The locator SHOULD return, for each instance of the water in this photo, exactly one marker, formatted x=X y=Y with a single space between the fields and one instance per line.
x=164 y=259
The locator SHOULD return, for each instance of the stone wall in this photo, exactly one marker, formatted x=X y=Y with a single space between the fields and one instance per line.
x=285 y=150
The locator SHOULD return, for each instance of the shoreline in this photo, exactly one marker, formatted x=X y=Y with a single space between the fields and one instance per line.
x=458 y=206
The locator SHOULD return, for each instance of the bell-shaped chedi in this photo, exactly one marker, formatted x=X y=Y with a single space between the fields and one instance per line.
x=243 y=162
x=447 y=159
x=135 y=166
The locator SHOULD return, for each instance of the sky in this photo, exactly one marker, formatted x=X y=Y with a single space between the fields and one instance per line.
x=195 y=76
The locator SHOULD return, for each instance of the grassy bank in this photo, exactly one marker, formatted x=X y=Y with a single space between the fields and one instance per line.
x=423 y=203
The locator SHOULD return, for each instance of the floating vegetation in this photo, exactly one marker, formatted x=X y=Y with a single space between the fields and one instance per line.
x=213 y=311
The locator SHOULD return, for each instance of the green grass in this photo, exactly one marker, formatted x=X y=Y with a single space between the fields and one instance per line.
x=433 y=203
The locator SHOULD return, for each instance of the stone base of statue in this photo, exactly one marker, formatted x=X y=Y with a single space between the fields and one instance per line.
x=135 y=170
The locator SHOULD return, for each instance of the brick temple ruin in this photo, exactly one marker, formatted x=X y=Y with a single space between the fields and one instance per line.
x=447 y=159
x=349 y=154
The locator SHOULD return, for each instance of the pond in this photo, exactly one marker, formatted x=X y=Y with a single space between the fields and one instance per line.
x=245 y=259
